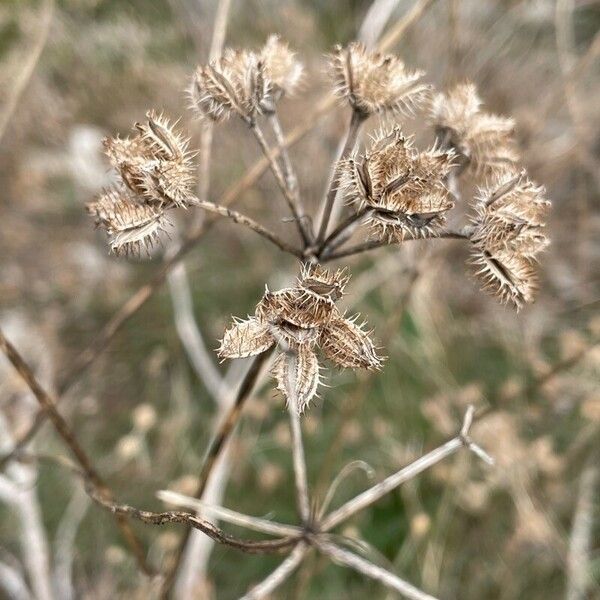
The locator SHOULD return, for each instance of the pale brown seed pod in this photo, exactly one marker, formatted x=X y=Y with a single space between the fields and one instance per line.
x=315 y=279
x=348 y=345
x=246 y=338
x=484 y=141
x=295 y=306
x=130 y=226
x=510 y=215
x=282 y=69
x=373 y=82
x=297 y=375
x=508 y=276
x=233 y=84
x=404 y=189
x=156 y=163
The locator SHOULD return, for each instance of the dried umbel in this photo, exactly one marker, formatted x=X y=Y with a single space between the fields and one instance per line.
x=508 y=234
x=130 y=226
x=155 y=164
x=245 y=83
x=402 y=189
x=373 y=82
x=484 y=141
x=300 y=319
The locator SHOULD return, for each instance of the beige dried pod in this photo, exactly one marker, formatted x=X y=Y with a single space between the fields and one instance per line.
x=373 y=82
x=483 y=141
x=299 y=320
x=130 y=226
x=403 y=190
x=510 y=215
x=297 y=375
x=282 y=69
x=508 y=276
x=234 y=84
x=156 y=163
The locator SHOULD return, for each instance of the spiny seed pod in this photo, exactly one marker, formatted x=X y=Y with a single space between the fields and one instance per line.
x=403 y=189
x=233 y=84
x=510 y=215
x=156 y=163
x=508 y=276
x=129 y=226
x=373 y=82
x=484 y=141
x=299 y=320
x=282 y=69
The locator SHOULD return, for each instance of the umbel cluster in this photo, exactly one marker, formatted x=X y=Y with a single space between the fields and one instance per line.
x=394 y=191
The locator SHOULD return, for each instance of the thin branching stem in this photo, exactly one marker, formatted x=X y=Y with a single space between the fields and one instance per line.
x=70 y=439
x=384 y=487
x=338 y=236
x=373 y=244
x=299 y=462
x=279 y=575
x=367 y=568
x=290 y=195
x=228 y=515
x=356 y=121
x=215 y=450
x=241 y=219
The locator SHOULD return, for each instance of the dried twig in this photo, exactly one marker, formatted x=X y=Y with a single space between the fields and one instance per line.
x=69 y=438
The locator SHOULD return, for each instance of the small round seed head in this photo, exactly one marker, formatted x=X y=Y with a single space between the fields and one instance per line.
x=373 y=82
x=508 y=276
x=483 y=140
x=404 y=188
x=510 y=215
x=130 y=226
x=282 y=69
x=155 y=164
x=235 y=83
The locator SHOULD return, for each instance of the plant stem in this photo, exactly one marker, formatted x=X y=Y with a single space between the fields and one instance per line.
x=213 y=454
x=356 y=122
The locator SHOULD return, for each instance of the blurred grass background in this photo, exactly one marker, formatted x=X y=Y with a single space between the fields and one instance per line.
x=460 y=530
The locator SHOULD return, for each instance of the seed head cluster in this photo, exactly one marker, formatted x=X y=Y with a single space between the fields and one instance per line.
x=373 y=82
x=403 y=189
x=483 y=141
x=155 y=173
x=508 y=234
x=298 y=320
x=245 y=83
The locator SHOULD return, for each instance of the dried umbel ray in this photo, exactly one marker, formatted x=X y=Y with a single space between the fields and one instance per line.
x=298 y=320
x=484 y=141
x=508 y=234
x=402 y=190
x=245 y=83
x=373 y=82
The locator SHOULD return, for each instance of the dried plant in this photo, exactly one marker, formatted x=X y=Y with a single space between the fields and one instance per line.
x=399 y=192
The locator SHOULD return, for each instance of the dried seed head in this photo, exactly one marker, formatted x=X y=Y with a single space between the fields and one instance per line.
x=299 y=319
x=374 y=82
x=508 y=276
x=282 y=69
x=246 y=338
x=232 y=84
x=297 y=375
x=484 y=141
x=156 y=163
x=404 y=188
x=348 y=345
x=129 y=226
x=510 y=215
